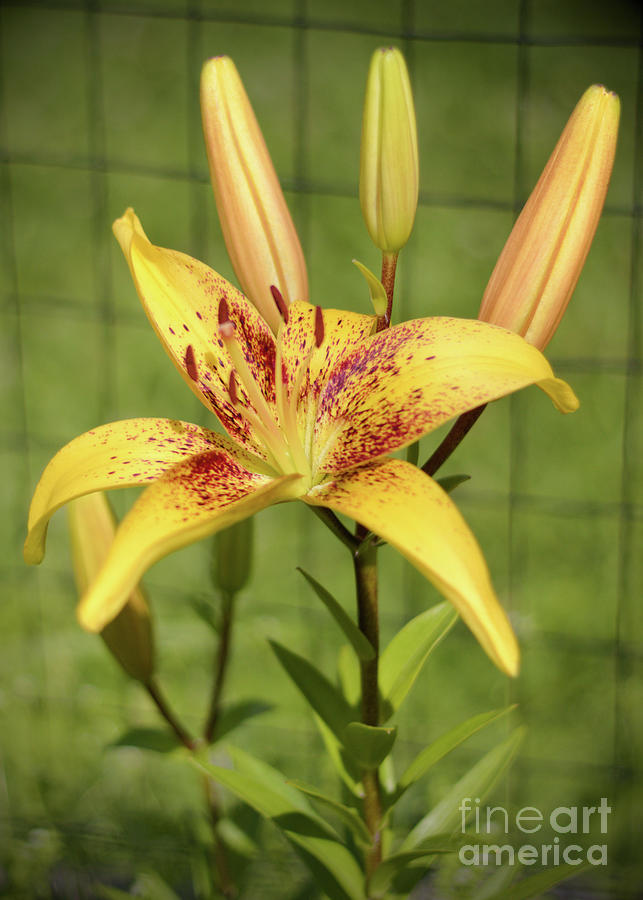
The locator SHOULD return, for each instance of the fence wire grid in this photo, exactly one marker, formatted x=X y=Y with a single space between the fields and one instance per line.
x=99 y=111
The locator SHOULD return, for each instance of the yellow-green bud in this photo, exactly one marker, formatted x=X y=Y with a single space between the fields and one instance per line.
x=232 y=557
x=129 y=636
x=388 y=184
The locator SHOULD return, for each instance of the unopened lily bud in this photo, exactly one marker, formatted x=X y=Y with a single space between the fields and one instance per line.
x=232 y=556
x=539 y=266
x=257 y=227
x=388 y=183
x=129 y=636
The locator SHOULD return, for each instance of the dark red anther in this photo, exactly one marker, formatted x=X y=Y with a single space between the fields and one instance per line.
x=224 y=315
x=278 y=297
x=232 y=388
x=190 y=363
x=319 y=326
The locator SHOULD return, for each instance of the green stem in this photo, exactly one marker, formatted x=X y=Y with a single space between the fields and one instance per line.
x=220 y=861
x=463 y=424
x=365 y=565
x=221 y=665
x=329 y=519
x=162 y=706
x=389 y=265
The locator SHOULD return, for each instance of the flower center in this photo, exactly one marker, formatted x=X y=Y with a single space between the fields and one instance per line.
x=277 y=428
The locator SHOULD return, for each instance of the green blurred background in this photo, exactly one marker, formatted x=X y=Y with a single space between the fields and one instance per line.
x=99 y=112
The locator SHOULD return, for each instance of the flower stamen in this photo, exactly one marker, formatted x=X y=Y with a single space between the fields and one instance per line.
x=277 y=296
x=258 y=414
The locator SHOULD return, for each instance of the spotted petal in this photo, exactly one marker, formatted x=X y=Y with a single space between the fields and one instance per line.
x=408 y=509
x=405 y=381
x=194 y=499
x=181 y=297
x=339 y=331
x=124 y=454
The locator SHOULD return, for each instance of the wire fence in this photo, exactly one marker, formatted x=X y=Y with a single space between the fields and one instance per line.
x=99 y=110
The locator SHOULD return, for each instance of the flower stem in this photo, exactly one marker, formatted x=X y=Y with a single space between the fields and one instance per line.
x=220 y=666
x=222 y=658
x=389 y=265
x=365 y=566
x=329 y=519
x=162 y=706
x=461 y=427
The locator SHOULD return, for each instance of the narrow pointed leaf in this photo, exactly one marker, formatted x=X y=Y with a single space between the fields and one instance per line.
x=348 y=815
x=375 y=288
x=392 y=865
x=337 y=756
x=368 y=745
x=446 y=743
x=404 y=657
x=159 y=740
x=237 y=713
x=206 y=612
x=450 y=482
x=536 y=885
x=359 y=642
x=323 y=696
x=477 y=782
x=266 y=790
x=349 y=675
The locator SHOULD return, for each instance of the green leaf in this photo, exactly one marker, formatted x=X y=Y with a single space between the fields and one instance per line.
x=236 y=839
x=266 y=790
x=338 y=757
x=160 y=740
x=375 y=288
x=237 y=713
x=445 y=744
x=206 y=611
x=359 y=641
x=148 y=886
x=323 y=696
x=401 y=662
x=392 y=865
x=348 y=670
x=346 y=813
x=477 y=782
x=449 y=483
x=413 y=453
x=536 y=885
x=369 y=745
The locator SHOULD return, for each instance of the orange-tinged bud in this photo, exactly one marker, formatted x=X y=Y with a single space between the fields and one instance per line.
x=257 y=227
x=389 y=174
x=539 y=266
x=129 y=636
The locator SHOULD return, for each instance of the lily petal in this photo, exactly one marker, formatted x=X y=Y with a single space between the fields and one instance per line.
x=181 y=297
x=123 y=454
x=406 y=381
x=341 y=330
x=408 y=509
x=194 y=499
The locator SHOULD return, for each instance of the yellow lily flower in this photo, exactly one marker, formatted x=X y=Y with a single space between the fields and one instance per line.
x=537 y=271
x=310 y=414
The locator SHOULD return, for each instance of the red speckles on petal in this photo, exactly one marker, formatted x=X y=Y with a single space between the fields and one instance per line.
x=190 y=363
